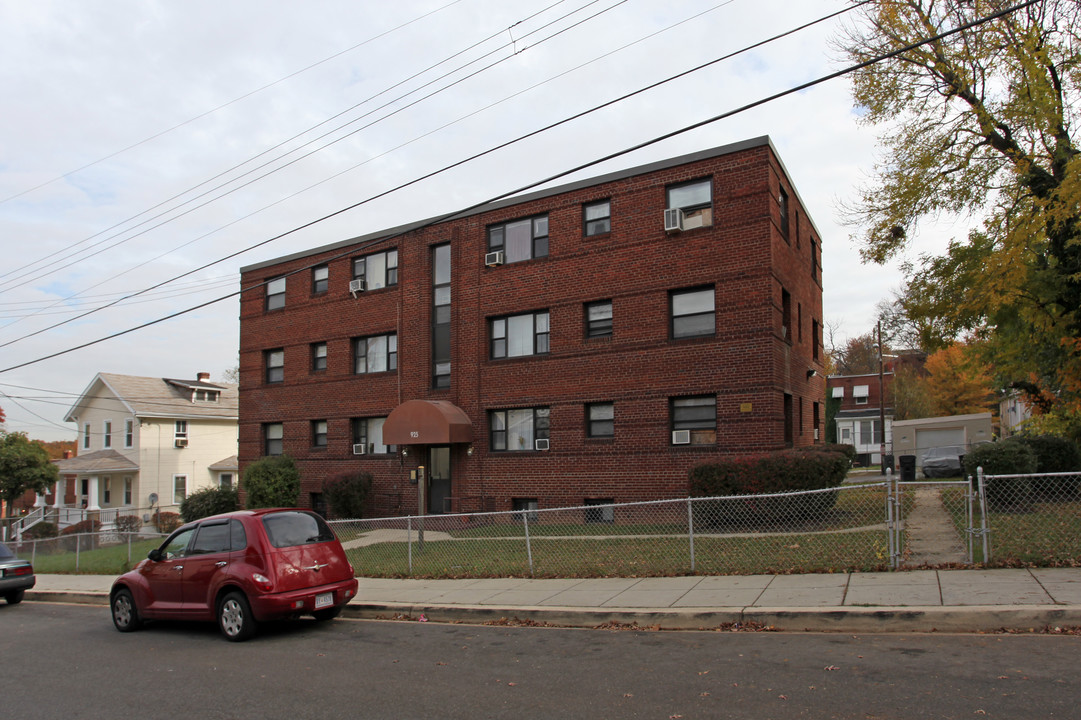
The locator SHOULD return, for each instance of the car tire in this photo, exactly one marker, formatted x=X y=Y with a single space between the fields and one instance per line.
x=125 y=614
x=15 y=597
x=234 y=617
x=327 y=614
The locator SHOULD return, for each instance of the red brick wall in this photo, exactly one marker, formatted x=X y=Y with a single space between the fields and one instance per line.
x=747 y=364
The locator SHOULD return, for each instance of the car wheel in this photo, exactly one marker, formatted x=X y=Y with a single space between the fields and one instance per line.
x=125 y=614
x=14 y=597
x=235 y=618
x=328 y=614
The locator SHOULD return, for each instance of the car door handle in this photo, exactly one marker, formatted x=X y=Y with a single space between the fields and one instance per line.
x=221 y=563
x=178 y=568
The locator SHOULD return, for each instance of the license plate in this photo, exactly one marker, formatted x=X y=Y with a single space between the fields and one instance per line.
x=323 y=600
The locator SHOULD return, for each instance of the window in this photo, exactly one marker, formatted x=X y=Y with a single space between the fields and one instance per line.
x=782 y=207
x=600 y=510
x=225 y=480
x=697 y=416
x=786 y=315
x=814 y=260
x=597 y=218
x=518 y=335
x=520 y=239
x=180 y=430
x=600 y=420
x=377 y=271
x=518 y=430
x=870 y=432
x=599 y=319
x=441 y=316
x=860 y=393
x=86 y=436
x=846 y=434
x=525 y=509
x=789 y=421
x=692 y=312
x=272 y=438
x=180 y=488
x=212 y=537
x=127 y=490
x=320 y=279
x=205 y=396
x=838 y=392
x=107 y=491
x=275 y=294
x=319 y=357
x=275 y=365
x=814 y=339
x=107 y=434
x=319 y=433
x=368 y=432
x=695 y=199
x=375 y=354
x=799 y=322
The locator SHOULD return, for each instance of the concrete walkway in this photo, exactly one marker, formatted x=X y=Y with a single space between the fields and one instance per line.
x=915 y=601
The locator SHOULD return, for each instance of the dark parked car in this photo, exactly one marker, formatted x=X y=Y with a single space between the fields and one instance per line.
x=16 y=576
x=943 y=461
x=240 y=569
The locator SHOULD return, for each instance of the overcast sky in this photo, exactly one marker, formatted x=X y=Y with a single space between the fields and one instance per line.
x=141 y=140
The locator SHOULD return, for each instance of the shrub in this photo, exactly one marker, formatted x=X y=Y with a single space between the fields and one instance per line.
x=166 y=522
x=846 y=449
x=1004 y=458
x=209 y=501
x=90 y=525
x=1053 y=455
x=128 y=524
x=347 y=494
x=766 y=475
x=272 y=481
x=41 y=531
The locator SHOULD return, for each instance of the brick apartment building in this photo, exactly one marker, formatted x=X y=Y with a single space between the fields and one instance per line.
x=583 y=344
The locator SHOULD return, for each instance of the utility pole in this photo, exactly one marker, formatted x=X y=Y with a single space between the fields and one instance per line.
x=881 y=403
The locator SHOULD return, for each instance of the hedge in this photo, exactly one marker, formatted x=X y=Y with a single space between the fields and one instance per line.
x=1004 y=458
x=781 y=472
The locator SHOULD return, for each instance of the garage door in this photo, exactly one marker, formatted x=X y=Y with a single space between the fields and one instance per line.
x=927 y=439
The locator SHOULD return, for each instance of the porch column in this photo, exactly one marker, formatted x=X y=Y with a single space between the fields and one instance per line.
x=92 y=494
x=59 y=489
x=41 y=501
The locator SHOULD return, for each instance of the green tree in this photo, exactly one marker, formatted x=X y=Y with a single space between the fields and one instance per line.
x=981 y=122
x=24 y=465
x=909 y=394
x=272 y=481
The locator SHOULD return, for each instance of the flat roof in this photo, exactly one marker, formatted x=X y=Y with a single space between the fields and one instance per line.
x=761 y=141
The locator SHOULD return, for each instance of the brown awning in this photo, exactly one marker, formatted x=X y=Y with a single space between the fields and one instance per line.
x=427 y=422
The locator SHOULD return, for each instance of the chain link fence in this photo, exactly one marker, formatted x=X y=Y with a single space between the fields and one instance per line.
x=840 y=529
x=1031 y=520
x=106 y=553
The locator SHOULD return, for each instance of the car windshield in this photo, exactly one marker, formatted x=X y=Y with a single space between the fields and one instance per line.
x=5 y=554
x=286 y=529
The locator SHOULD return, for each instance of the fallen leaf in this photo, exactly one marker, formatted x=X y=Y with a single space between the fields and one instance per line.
x=830 y=668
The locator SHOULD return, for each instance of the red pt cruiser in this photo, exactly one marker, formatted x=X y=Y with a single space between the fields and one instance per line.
x=239 y=568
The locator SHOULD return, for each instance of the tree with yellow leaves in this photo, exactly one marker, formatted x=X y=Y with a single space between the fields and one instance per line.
x=981 y=121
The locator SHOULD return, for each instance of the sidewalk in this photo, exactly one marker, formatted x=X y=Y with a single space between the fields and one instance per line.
x=916 y=601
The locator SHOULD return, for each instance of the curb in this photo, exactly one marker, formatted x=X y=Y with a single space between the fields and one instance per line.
x=901 y=619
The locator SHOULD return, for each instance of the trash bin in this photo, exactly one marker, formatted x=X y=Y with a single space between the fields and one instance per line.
x=908 y=468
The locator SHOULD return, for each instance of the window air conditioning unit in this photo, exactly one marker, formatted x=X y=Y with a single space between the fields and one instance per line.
x=360 y=449
x=493 y=259
x=673 y=220
x=681 y=437
x=541 y=444
x=816 y=433
x=180 y=442
x=356 y=286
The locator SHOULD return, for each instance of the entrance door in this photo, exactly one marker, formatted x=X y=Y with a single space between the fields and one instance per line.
x=438 y=479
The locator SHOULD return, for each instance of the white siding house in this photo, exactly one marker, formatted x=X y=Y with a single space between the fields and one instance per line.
x=145 y=444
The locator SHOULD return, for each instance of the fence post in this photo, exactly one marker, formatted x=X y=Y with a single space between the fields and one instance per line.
x=690 y=530
x=78 y=545
x=528 y=546
x=891 y=523
x=409 y=541
x=984 y=530
x=970 y=518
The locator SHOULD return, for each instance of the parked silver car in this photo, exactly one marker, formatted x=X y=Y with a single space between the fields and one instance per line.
x=16 y=576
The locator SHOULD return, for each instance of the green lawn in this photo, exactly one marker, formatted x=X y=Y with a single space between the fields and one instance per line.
x=111 y=560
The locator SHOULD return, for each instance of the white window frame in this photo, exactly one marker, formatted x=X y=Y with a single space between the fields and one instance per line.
x=181 y=492
x=86 y=436
x=106 y=434
x=129 y=433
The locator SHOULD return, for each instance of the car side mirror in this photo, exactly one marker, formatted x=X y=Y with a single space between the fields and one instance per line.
x=154 y=555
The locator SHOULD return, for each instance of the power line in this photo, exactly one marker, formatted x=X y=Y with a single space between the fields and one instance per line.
x=56 y=268
x=657 y=139
x=464 y=161
x=235 y=100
